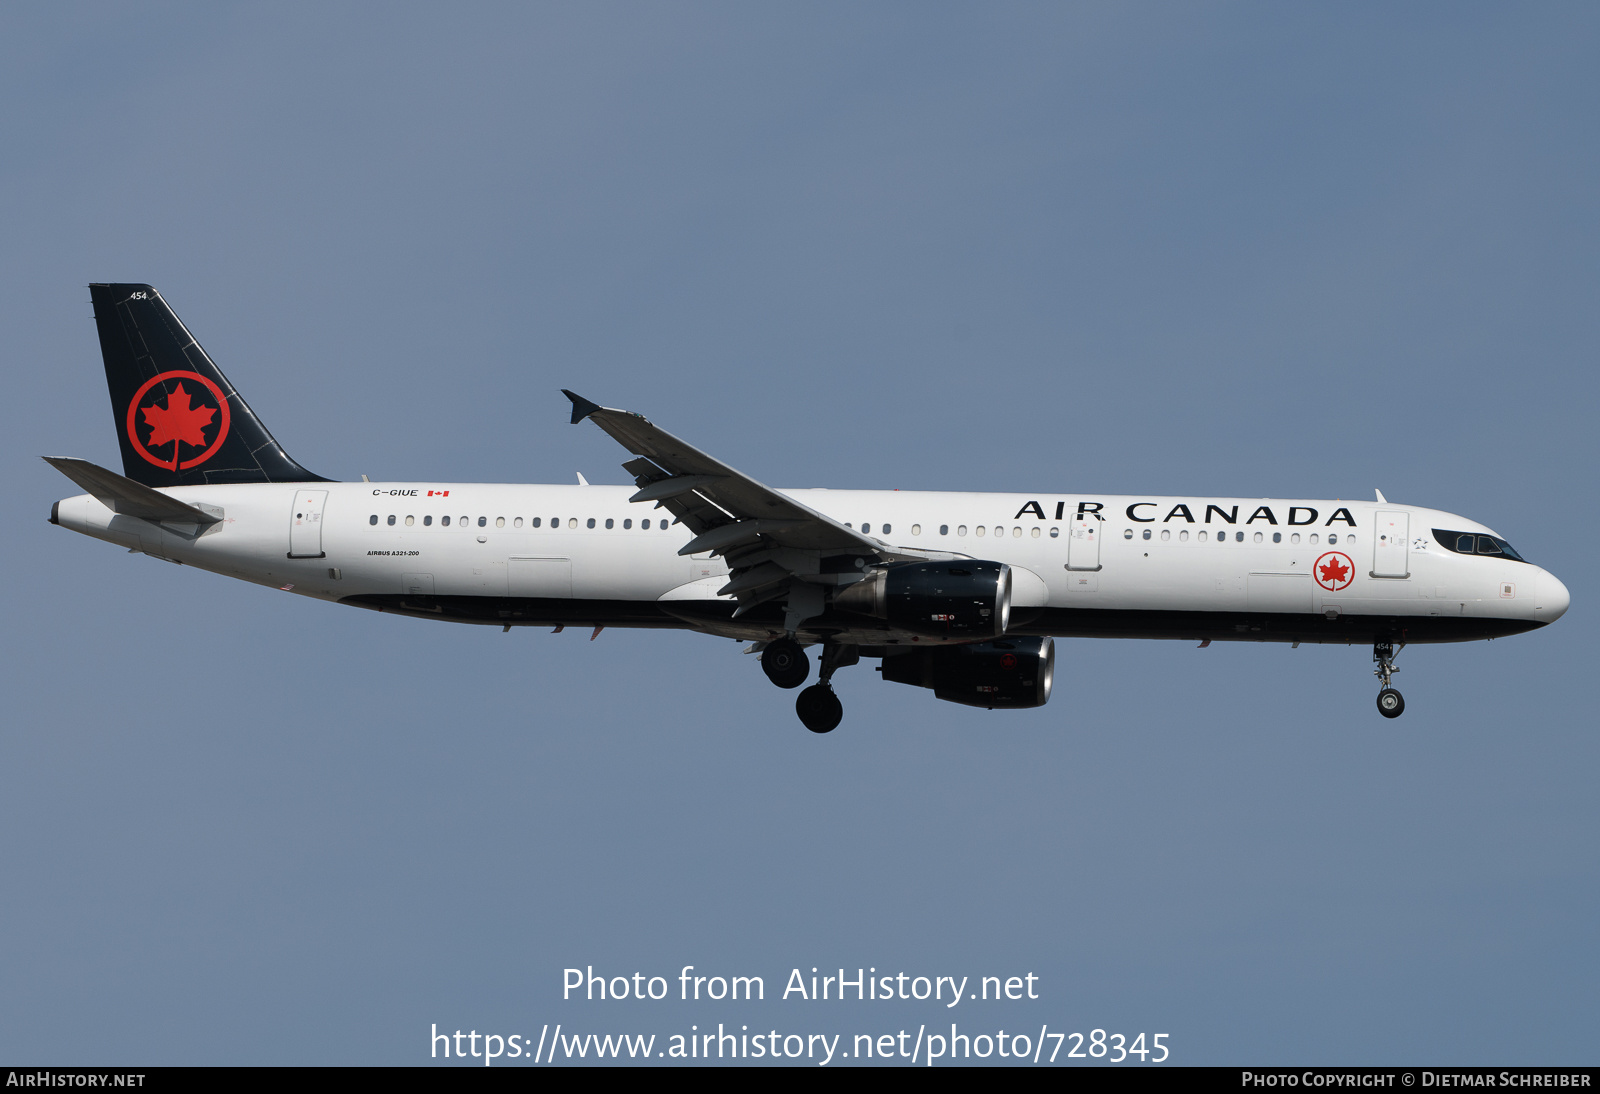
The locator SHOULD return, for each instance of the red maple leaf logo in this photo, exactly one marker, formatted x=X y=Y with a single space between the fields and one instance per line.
x=1333 y=573
x=178 y=421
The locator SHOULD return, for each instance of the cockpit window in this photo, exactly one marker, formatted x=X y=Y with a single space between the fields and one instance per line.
x=1475 y=543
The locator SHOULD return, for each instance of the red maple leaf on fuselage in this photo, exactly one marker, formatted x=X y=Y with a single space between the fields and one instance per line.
x=178 y=421
x=1334 y=572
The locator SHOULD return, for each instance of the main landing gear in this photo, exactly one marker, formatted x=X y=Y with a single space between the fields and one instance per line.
x=1391 y=704
x=819 y=708
x=787 y=665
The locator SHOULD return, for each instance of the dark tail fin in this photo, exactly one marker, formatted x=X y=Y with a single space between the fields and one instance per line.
x=179 y=420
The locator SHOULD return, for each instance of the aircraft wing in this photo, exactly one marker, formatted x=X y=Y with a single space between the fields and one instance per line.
x=768 y=539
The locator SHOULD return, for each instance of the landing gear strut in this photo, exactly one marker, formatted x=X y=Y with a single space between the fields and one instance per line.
x=785 y=663
x=819 y=708
x=1390 y=702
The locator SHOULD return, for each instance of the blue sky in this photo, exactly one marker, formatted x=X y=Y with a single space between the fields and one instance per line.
x=1241 y=249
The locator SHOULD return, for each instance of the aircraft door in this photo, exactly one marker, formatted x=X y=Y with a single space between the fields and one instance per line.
x=1391 y=541
x=1083 y=543
x=305 y=529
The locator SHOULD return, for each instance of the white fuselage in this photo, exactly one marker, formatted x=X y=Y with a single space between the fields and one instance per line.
x=1076 y=557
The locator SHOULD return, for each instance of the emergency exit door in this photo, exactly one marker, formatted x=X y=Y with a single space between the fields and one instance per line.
x=305 y=529
x=1391 y=543
x=1083 y=544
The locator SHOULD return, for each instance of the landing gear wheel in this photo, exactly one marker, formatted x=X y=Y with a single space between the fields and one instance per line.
x=819 y=708
x=1390 y=703
x=785 y=663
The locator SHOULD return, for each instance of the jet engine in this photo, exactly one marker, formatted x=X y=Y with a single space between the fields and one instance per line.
x=1007 y=672
x=964 y=599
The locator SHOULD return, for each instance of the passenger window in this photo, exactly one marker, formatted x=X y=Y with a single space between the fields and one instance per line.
x=916 y=529
x=1035 y=532
x=483 y=522
x=1147 y=533
x=1332 y=539
x=426 y=521
x=444 y=521
x=391 y=520
x=535 y=522
x=610 y=523
x=627 y=523
x=961 y=529
x=1277 y=537
x=591 y=522
x=944 y=529
x=1238 y=537
x=1055 y=533
x=1127 y=533
x=980 y=530
x=572 y=522
x=374 y=519
x=1258 y=537
x=1183 y=535
x=999 y=531
x=1166 y=534
x=517 y=523
x=499 y=522
x=464 y=521
x=1202 y=537
x=664 y=523
x=1313 y=537
x=887 y=529
x=645 y=524
x=1222 y=537
x=1294 y=538
x=1016 y=533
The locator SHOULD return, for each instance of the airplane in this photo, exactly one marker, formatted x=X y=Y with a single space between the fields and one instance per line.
x=962 y=594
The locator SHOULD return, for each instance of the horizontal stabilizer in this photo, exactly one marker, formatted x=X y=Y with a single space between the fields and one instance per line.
x=123 y=495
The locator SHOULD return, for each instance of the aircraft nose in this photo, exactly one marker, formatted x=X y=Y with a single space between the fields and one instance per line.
x=1552 y=600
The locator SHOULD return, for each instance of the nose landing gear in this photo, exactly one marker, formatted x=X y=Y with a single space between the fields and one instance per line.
x=818 y=707
x=1391 y=704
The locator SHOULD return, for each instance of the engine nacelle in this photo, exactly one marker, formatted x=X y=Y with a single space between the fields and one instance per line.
x=1007 y=672
x=964 y=599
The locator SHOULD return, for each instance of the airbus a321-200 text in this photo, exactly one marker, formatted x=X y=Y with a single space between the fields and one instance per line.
x=960 y=593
